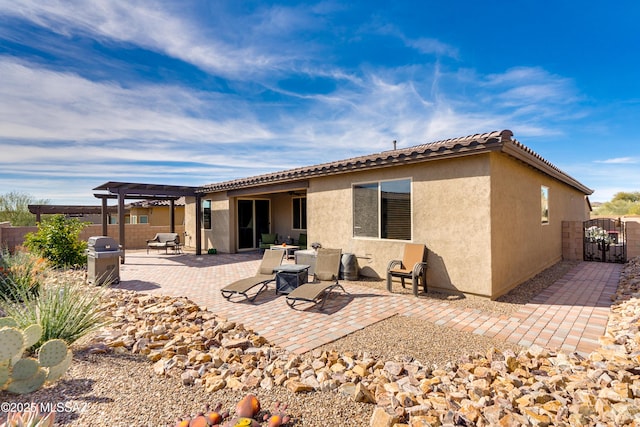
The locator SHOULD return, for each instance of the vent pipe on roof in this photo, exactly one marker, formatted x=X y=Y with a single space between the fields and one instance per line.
x=394 y=144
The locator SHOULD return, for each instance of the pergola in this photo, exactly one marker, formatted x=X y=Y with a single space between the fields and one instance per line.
x=39 y=210
x=132 y=190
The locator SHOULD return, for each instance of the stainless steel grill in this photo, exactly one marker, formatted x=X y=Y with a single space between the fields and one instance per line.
x=103 y=260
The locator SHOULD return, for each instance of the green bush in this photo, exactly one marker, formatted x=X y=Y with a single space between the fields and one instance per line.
x=58 y=241
x=67 y=310
x=21 y=273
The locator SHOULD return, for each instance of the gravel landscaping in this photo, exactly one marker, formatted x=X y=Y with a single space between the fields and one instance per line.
x=116 y=388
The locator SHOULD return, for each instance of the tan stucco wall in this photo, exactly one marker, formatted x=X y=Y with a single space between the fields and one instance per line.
x=521 y=245
x=160 y=215
x=450 y=215
x=221 y=234
x=189 y=222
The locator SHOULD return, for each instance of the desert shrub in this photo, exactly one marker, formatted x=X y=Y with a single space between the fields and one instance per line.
x=21 y=273
x=58 y=241
x=67 y=310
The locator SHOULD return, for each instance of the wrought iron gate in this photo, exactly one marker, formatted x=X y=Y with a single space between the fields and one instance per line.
x=605 y=240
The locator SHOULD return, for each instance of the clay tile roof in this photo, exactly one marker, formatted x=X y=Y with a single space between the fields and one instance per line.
x=150 y=203
x=448 y=148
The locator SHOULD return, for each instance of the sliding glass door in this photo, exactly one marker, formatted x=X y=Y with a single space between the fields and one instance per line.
x=254 y=218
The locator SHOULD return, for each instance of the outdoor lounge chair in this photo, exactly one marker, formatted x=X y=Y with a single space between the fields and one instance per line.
x=302 y=241
x=265 y=274
x=267 y=239
x=412 y=266
x=325 y=279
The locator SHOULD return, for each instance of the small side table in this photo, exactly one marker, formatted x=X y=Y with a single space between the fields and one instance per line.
x=288 y=249
x=290 y=276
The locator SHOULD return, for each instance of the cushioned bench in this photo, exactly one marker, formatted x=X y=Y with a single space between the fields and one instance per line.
x=164 y=240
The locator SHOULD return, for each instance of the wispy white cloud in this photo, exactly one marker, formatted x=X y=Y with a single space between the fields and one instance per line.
x=432 y=46
x=48 y=105
x=57 y=122
x=424 y=45
x=620 y=161
x=154 y=26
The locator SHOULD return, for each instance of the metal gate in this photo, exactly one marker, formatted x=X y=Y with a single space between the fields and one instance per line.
x=605 y=240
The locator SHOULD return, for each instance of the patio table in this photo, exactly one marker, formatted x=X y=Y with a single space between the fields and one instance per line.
x=288 y=249
x=290 y=276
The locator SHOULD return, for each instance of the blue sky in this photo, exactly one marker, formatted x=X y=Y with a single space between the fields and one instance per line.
x=196 y=92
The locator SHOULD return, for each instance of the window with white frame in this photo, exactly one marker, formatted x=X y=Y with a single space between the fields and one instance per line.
x=544 y=204
x=299 y=213
x=382 y=209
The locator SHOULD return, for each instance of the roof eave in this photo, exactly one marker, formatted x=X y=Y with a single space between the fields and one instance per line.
x=412 y=155
x=515 y=149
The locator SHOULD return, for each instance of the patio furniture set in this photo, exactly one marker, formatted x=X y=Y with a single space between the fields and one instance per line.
x=292 y=279
x=165 y=241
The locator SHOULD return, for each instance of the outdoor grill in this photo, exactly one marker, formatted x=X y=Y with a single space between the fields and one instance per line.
x=103 y=260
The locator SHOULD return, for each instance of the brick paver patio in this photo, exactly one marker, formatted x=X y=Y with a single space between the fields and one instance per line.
x=570 y=315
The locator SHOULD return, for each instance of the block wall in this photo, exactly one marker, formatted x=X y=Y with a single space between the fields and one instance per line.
x=136 y=234
x=572 y=235
x=572 y=245
x=633 y=239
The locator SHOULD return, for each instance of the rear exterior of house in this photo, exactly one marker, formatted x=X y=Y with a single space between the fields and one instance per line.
x=488 y=209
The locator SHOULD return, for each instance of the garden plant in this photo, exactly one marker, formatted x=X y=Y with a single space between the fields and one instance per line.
x=44 y=318
x=57 y=240
x=21 y=273
x=66 y=310
x=19 y=372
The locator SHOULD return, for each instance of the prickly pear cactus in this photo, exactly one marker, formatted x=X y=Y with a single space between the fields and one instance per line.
x=23 y=375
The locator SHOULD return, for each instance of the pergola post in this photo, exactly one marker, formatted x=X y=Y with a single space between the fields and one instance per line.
x=172 y=215
x=198 y=232
x=103 y=215
x=121 y=196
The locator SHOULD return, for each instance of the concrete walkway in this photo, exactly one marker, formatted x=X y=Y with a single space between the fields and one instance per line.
x=570 y=315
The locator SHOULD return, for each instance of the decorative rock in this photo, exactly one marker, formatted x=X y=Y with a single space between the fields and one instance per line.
x=158 y=367
x=362 y=394
x=213 y=384
x=295 y=386
x=188 y=377
x=393 y=368
x=535 y=387
x=267 y=383
x=237 y=343
x=382 y=418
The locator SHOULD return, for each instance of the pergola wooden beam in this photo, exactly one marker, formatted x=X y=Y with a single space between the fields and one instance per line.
x=39 y=210
x=132 y=190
